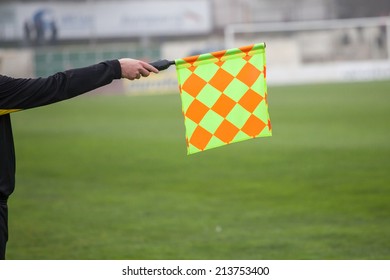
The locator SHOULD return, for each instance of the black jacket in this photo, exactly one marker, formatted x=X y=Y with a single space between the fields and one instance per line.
x=20 y=94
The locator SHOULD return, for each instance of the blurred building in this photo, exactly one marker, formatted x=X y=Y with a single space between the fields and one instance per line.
x=58 y=34
x=221 y=13
x=361 y=8
x=245 y=11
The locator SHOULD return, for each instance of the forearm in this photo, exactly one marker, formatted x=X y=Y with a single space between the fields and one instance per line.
x=30 y=93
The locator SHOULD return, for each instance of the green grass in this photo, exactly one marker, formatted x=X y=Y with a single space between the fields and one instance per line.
x=107 y=177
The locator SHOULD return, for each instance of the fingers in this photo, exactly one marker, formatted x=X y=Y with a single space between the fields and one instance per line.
x=149 y=67
x=144 y=72
x=135 y=69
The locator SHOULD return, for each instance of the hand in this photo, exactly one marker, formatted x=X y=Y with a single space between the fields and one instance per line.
x=134 y=69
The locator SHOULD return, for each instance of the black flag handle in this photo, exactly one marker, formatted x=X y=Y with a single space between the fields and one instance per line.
x=162 y=64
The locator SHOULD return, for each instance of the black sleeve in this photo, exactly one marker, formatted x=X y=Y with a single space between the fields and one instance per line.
x=30 y=93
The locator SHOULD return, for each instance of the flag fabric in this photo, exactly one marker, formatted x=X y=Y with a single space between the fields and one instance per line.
x=224 y=97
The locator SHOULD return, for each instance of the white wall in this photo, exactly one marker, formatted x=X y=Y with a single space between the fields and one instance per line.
x=16 y=63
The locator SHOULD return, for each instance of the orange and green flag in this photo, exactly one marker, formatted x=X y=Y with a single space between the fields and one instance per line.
x=224 y=97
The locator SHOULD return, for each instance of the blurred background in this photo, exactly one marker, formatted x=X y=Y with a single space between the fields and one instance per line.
x=308 y=40
x=106 y=176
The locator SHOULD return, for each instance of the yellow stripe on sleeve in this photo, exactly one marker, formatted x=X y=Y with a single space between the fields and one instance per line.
x=7 y=111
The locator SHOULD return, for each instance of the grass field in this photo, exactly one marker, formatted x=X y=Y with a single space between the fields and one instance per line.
x=107 y=177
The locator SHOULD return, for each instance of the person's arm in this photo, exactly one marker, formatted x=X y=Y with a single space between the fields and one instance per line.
x=30 y=93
